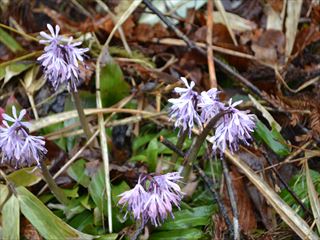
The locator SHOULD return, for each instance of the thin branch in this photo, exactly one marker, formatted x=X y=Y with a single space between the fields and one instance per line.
x=232 y=199
x=292 y=193
x=212 y=74
x=216 y=198
x=179 y=145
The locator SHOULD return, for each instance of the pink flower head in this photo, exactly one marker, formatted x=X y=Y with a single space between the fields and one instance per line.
x=232 y=129
x=134 y=199
x=155 y=203
x=61 y=58
x=209 y=105
x=17 y=147
x=183 y=109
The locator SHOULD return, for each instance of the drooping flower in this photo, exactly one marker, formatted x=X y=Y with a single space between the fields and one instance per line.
x=155 y=203
x=155 y=208
x=134 y=199
x=233 y=128
x=210 y=105
x=17 y=147
x=184 y=108
x=61 y=58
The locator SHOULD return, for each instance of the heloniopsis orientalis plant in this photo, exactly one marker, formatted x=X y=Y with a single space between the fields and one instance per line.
x=153 y=196
x=60 y=63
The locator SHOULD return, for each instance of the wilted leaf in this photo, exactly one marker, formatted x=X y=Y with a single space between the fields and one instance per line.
x=11 y=219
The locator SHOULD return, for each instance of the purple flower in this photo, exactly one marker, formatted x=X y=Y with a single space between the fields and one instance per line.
x=134 y=199
x=183 y=109
x=54 y=38
x=60 y=60
x=155 y=203
x=155 y=208
x=17 y=147
x=232 y=129
x=210 y=105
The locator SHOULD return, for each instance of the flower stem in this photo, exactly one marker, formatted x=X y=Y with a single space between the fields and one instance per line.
x=57 y=191
x=179 y=145
x=197 y=143
x=82 y=117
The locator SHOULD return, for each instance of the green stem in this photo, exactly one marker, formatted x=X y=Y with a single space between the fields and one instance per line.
x=57 y=191
x=179 y=145
x=82 y=117
x=197 y=143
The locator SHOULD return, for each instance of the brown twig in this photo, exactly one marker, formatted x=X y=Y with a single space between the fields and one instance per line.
x=292 y=193
x=179 y=145
x=212 y=75
x=232 y=199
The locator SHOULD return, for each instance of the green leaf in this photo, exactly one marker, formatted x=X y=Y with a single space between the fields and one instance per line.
x=111 y=236
x=9 y=41
x=4 y=193
x=112 y=84
x=97 y=190
x=11 y=219
x=152 y=154
x=12 y=70
x=77 y=171
x=25 y=177
x=46 y=222
x=181 y=234
x=272 y=138
x=118 y=189
x=199 y=216
x=82 y=221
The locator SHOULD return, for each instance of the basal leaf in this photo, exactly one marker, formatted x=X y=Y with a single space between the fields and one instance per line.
x=272 y=139
x=78 y=173
x=11 y=219
x=112 y=84
x=97 y=189
x=25 y=177
x=198 y=216
x=46 y=222
x=9 y=41
x=181 y=234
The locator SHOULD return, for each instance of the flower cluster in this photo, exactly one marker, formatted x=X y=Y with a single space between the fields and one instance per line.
x=152 y=198
x=61 y=58
x=18 y=148
x=233 y=128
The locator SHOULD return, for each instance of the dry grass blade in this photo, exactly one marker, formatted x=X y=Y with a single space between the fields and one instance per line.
x=293 y=15
x=288 y=215
x=123 y=18
x=313 y=196
x=223 y=13
x=61 y=117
